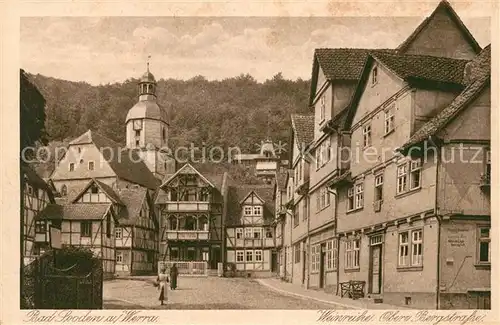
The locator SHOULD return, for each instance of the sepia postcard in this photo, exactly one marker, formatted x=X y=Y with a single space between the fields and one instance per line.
x=249 y=163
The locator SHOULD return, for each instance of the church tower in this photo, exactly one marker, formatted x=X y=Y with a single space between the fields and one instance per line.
x=147 y=128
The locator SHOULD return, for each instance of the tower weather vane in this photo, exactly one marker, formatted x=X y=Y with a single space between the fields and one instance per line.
x=149 y=57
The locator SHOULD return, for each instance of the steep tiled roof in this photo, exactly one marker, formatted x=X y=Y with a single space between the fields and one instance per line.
x=33 y=179
x=126 y=163
x=236 y=193
x=443 y=6
x=446 y=115
x=105 y=188
x=343 y=63
x=424 y=67
x=76 y=211
x=417 y=70
x=132 y=198
x=478 y=77
x=303 y=127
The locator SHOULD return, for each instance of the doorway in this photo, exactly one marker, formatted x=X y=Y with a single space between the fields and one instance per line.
x=322 y=266
x=375 y=277
x=274 y=261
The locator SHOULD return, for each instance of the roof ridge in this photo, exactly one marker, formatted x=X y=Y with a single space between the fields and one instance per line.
x=395 y=54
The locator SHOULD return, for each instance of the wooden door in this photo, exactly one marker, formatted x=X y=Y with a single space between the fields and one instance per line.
x=322 y=268
x=376 y=269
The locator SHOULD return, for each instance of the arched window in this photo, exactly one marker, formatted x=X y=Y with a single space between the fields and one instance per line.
x=173 y=223
x=164 y=134
x=189 y=223
x=64 y=190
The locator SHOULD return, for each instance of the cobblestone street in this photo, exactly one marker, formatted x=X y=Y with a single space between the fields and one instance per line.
x=202 y=293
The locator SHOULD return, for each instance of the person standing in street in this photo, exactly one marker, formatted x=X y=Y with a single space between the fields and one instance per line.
x=174 y=272
x=161 y=281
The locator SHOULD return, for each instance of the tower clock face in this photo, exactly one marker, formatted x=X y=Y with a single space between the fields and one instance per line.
x=137 y=124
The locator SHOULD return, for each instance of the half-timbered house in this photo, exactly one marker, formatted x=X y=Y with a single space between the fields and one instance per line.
x=191 y=218
x=250 y=229
x=36 y=196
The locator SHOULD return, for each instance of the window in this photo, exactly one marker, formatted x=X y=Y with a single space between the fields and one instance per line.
x=379 y=182
x=352 y=254
x=258 y=256
x=318 y=156
x=71 y=167
x=315 y=257
x=94 y=189
x=64 y=190
x=249 y=255
x=367 y=135
x=137 y=143
x=295 y=217
x=248 y=233
x=322 y=108
x=350 y=199
x=163 y=134
x=374 y=75
x=269 y=233
x=300 y=170
x=86 y=229
x=323 y=199
x=358 y=196
x=174 y=253
x=40 y=227
x=401 y=180
x=257 y=232
x=137 y=133
x=91 y=165
x=257 y=210
x=415 y=168
x=329 y=255
x=296 y=253
x=389 y=120
x=416 y=247
x=247 y=210
x=173 y=223
x=239 y=233
x=239 y=256
x=484 y=249
x=119 y=257
x=318 y=201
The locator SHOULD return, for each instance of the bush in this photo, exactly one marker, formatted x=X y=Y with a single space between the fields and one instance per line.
x=81 y=260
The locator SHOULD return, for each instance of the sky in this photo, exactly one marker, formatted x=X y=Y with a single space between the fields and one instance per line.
x=101 y=50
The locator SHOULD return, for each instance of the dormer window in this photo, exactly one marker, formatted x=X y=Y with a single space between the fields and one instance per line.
x=257 y=210
x=374 y=75
x=247 y=210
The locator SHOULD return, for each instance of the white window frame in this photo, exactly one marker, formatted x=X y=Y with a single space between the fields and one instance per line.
x=257 y=210
x=359 y=195
x=239 y=233
x=352 y=248
x=350 y=198
x=247 y=210
x=410 y=252
x=119 y=257
x=257 y=231
x=318 y=200
x=315 y=253
x=118 y=232
x=401 y=178
x=318 y=157
x=248 y=233
x=296 y=253
x=240 y=254
x=483 y=239
x=258 y=255
x=329 y=256
x=389 y=119
x=415 y=173
x=379 y=186
x=248 y=253
x=367 y=135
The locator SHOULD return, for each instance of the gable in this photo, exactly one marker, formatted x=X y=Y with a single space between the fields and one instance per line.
x=441 y=34
x=97 y=192
x=79 y=155
x=374 y=95
x=252 y=199
x=464 y=125
x=194 y=178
